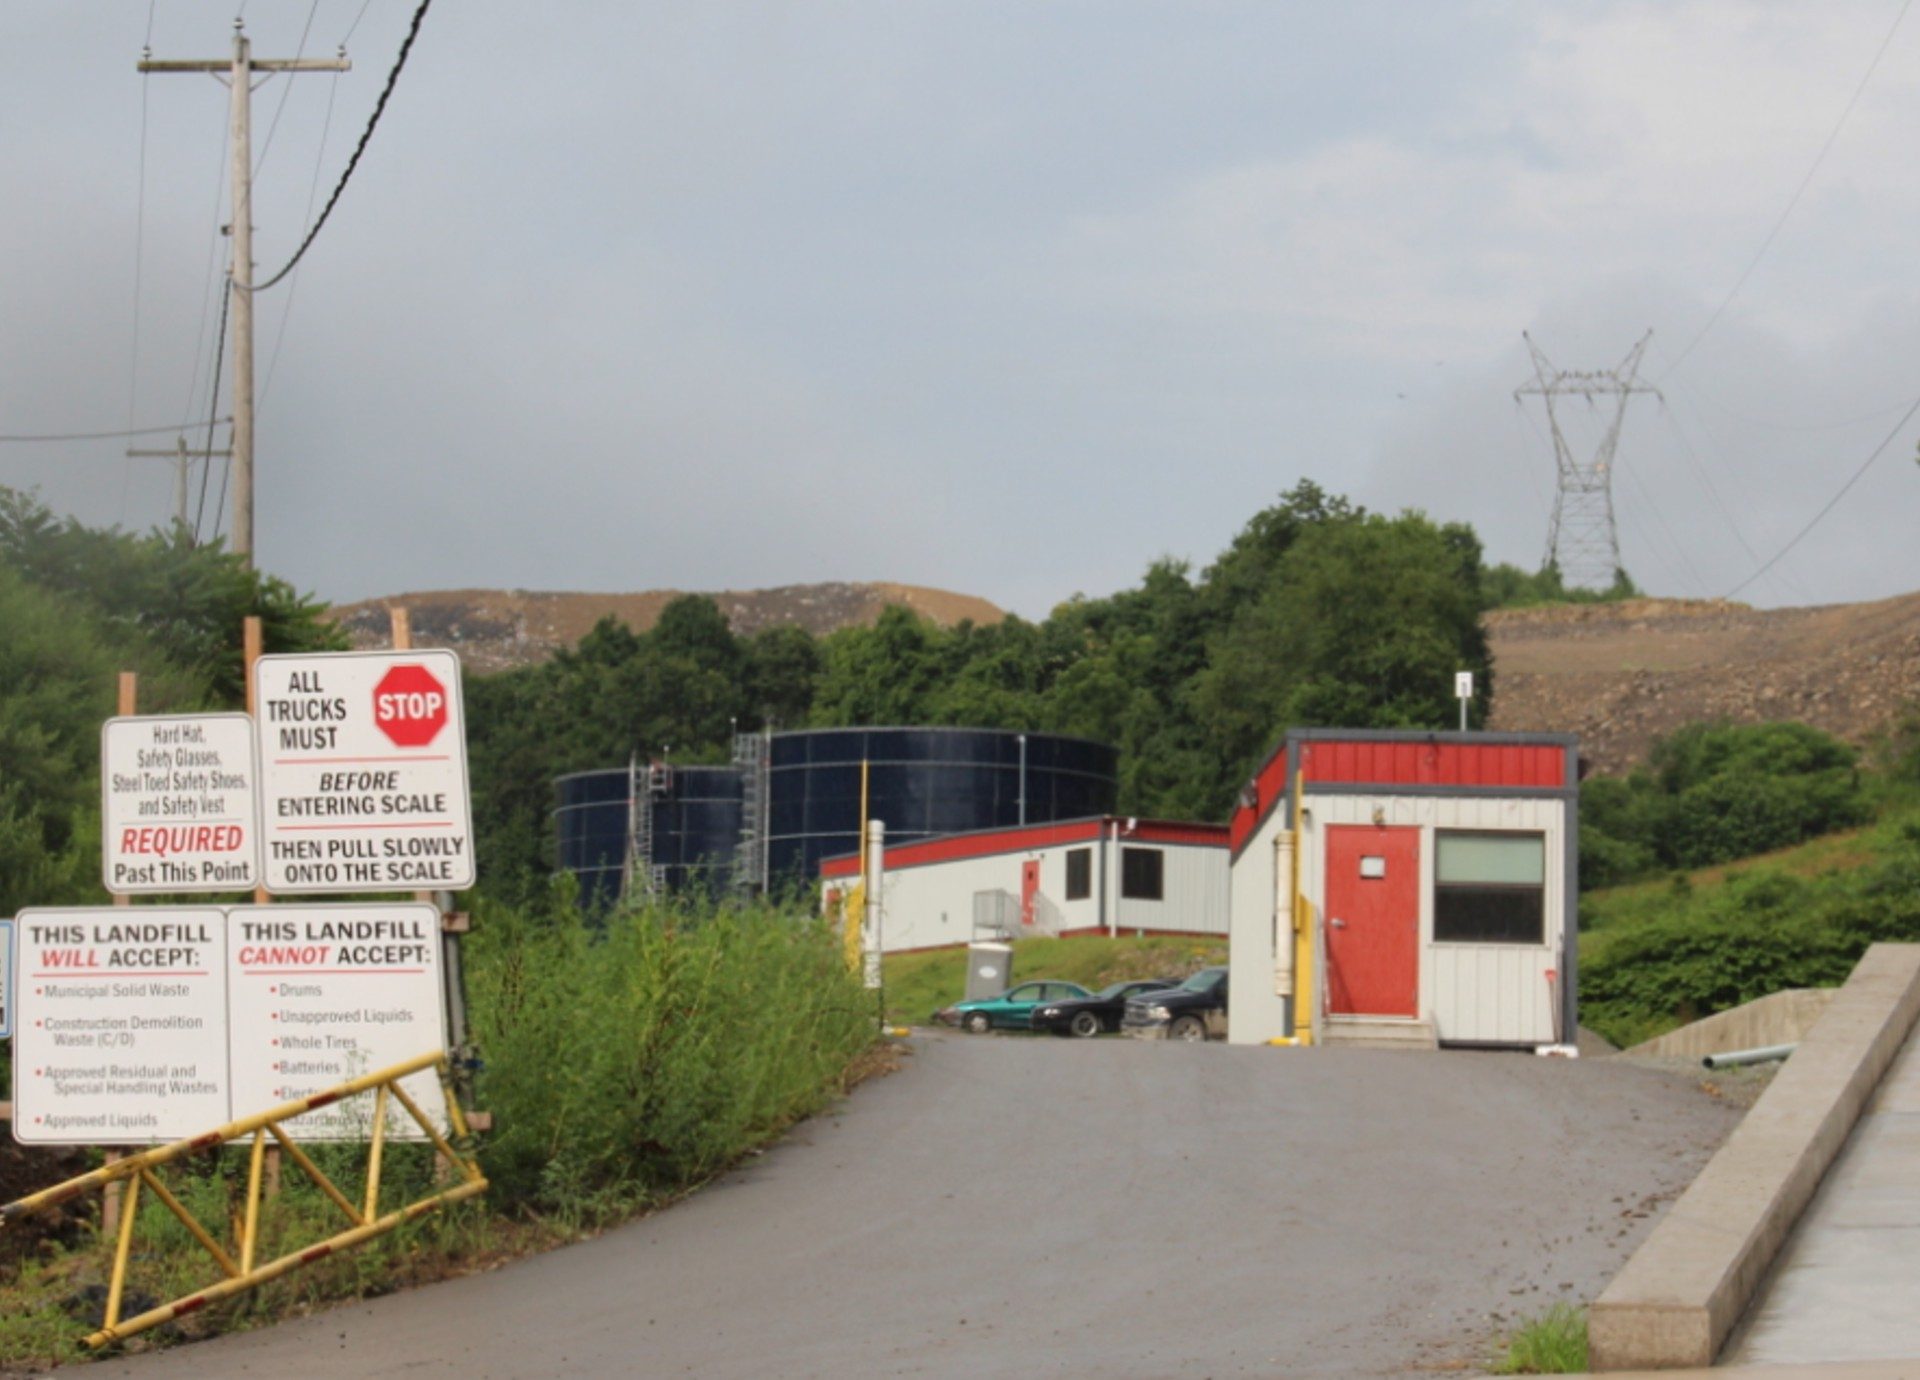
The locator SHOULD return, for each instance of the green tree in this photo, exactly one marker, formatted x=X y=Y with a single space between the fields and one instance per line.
x=1363 y=625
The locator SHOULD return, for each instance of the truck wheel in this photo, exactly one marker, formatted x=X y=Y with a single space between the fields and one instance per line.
x=977 y=1022
x=1189 y=1028
x=1085 y=1024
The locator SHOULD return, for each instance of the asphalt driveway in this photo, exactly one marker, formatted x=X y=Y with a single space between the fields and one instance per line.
x=1032 y=1207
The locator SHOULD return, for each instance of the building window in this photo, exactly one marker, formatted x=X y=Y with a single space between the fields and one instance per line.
x=1142 y=874
x=1489 y=888
x=1079 y=873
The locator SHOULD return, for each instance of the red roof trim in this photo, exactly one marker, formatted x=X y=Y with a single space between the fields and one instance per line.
x=1380 y=764
x=1032 y=838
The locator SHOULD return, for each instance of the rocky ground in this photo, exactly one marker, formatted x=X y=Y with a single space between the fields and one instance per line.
x=1622 y=675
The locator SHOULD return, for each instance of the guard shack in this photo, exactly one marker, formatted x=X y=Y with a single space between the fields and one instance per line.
x=1407 y=887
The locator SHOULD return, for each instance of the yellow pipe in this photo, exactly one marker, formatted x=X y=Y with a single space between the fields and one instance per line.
x=312 y=1171
x=115 y=1332
x=250 y=1234
x=161 y=1154
x=1305 y=998
x=189 y=1221
x=118 y=1284
x=438 y=1140
x=373 y=1152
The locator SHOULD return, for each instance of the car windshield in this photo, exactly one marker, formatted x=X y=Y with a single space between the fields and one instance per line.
x=1203 y=980
x=1118 y=989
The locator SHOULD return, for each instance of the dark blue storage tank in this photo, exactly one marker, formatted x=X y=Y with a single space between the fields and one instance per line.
x=696 y=828
x=922 y=782
x=590 y=825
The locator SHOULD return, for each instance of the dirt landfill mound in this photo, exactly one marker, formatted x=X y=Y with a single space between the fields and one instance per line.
x=1619 y=675
x=1622 y=675
x=494 y=629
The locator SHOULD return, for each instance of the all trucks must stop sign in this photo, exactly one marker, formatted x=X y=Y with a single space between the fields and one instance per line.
x=363 y=772
x=410 y=705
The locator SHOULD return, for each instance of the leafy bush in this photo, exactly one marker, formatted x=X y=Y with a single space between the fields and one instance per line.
x=1759 y=933
x=627 y=1061
x=1715 y=792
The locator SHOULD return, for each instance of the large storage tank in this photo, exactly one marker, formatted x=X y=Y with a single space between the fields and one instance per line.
x=695 y=819
x=922 y=782
x=590 y=826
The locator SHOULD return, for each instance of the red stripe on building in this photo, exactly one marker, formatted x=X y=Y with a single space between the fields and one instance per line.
x=1389 y=763
x=1031 y=839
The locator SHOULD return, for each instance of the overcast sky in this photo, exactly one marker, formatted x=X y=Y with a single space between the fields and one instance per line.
x=1009 y=298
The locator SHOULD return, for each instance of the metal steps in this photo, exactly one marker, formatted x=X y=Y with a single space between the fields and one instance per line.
x=1378 y=1032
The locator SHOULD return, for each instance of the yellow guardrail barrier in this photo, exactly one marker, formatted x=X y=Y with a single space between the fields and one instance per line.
x=136 y=1171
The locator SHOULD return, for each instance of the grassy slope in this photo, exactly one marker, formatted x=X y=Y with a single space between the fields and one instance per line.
x=920 y=983
x=1827 y=864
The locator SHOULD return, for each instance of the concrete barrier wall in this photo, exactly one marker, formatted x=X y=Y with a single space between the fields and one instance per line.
x=1781 y=1019
x=1675 y=1301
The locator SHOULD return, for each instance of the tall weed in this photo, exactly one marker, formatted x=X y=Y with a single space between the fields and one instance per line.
x=628 y=1059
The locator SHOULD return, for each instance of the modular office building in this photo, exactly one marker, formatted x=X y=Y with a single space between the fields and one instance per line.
x=1439 y=875
x=1103 y=875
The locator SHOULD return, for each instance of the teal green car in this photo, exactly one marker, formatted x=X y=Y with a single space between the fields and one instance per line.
x=1011 y=1010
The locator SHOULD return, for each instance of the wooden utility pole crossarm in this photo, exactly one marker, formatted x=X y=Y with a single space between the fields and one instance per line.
x=239 y=70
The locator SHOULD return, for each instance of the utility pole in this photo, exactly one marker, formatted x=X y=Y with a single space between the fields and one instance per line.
x=1583 y=542
x=180 y=455
x=239 y=70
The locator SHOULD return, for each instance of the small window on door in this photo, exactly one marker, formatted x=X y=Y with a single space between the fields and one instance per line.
x=1489 y=888
x=1142 y=874
x=1079 y=873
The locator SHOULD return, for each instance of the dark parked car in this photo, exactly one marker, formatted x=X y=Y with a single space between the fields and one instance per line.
x=1089 y=1016
x=1194 y=1010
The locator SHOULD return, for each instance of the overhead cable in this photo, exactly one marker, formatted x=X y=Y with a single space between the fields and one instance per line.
x=213 y=395
x=106 y=435
x=1833 y=502
x=1798 y=192
x=413 y=31
x=286 y=91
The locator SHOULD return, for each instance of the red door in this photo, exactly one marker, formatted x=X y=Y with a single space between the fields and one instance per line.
x=1029 y=888
x=1373 y=920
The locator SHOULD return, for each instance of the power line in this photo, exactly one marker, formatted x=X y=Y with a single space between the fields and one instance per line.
x=1833 y=502
x=219 y=358
x=106 y=435
x=207 y=281
x=364 y=6
x=1789 y=582
x=1798 y=192
x=139 y=246
x=274 y=124
x=313 y=195
x=413 y=32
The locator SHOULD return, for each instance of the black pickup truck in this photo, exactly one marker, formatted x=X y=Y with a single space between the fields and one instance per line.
x=1195 y=1010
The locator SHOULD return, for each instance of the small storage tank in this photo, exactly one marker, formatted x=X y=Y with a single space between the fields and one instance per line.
x=695 y=820
x=922 y=782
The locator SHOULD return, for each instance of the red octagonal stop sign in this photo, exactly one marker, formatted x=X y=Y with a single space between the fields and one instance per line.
x=410 y=705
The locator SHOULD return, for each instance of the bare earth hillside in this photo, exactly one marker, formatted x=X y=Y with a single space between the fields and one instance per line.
x=1622 y=675
x=494 y=629
x=1619 y=675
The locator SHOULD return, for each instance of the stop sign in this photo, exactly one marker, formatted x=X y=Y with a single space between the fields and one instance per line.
x=410 y=705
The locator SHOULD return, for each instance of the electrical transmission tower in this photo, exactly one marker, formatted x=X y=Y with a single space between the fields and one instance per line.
x=1583 y=543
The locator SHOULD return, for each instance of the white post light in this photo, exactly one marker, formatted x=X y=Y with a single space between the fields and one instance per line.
x=1463 y=691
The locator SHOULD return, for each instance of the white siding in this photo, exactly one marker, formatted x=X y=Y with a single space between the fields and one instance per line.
x=1194 y=894
x=1490 y=993
x=1255 y=1014
x=931 y=905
